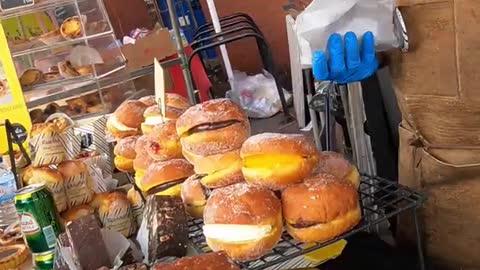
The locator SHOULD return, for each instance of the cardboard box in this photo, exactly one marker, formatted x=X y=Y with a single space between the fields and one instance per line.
x=157 y=44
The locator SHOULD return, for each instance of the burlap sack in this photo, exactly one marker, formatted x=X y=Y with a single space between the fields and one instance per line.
x=436 y=84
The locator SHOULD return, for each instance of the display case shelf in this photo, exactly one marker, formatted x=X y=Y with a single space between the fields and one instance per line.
x=92 y=85
x=64 y=43
x=58 y=83
x=381 y=200
x=72 y=89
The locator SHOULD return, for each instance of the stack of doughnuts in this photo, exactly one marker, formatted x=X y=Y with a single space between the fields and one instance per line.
x=211 y=135
x=245 y=188
x=156 y=156
x=317 y=191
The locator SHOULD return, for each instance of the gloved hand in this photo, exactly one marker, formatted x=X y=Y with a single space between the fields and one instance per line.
x=346 y=64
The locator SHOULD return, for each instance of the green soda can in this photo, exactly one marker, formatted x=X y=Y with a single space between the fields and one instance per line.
x=39 y=219
x=44 y=261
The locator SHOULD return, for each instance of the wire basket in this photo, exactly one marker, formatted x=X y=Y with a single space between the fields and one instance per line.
x=381 y=199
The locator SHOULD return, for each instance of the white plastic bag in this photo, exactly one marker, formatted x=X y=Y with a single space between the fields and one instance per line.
x=325 y=17
x=257 y=95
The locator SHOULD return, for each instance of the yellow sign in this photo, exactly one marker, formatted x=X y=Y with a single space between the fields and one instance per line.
x=12 y=103
x=27 y=26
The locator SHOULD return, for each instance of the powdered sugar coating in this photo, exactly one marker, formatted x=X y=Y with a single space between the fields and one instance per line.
x=242 y=204
x=218 y=141
x=126 y=147
x=278 y=143
x=130 y=113
x=334 y=164
x=319 y=199
x=212 y=111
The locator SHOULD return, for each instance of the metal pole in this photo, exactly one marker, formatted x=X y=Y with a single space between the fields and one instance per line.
x=181 y=52
x=421 y=258
x=192 y=15
x=309 y=91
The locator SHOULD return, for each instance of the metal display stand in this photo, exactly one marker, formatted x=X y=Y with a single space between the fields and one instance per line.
x=237 y=27
x=181 y=52
x=389 y=199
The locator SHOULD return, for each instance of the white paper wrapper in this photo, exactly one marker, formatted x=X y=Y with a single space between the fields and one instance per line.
x=95 y=165
x=325 y=17
x=118 y=217
x=59 y=195
x=46 y=149
x=102 y=146
x=142 y=238
x=53 y=147
x=79 y=189
x=84 y=56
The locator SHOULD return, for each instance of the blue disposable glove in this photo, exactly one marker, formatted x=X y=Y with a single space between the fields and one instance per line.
x=346 y=64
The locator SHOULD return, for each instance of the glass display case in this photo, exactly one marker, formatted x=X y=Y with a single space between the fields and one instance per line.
x=67 y=58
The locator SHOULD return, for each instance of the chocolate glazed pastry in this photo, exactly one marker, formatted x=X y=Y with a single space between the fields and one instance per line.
x=213 y=127
x=165 y=186
x=167 y=227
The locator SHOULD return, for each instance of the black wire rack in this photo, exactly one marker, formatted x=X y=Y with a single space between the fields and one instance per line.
x=381 y=199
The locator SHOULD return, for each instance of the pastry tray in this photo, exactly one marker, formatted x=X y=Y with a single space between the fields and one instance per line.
x=381 y=199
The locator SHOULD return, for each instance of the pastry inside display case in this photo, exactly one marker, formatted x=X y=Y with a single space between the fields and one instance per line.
x=67 y=58
x=69 y=64
x=104 y=101
x=57 y=23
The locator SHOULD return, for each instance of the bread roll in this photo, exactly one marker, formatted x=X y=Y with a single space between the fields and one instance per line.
x=53 y=179
x=194 y=196
x=336 y=165
x=278 y=160
x=77 y=212
x=98 y=200
x=213 y=127
x=116 y=214
x=210 y=261
x=47 y=146
x=166 y=177
x=164 y=142
x=244 y=221
x=125 y=153
x=321 y=208
x=78 y=183
x=127 y=119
